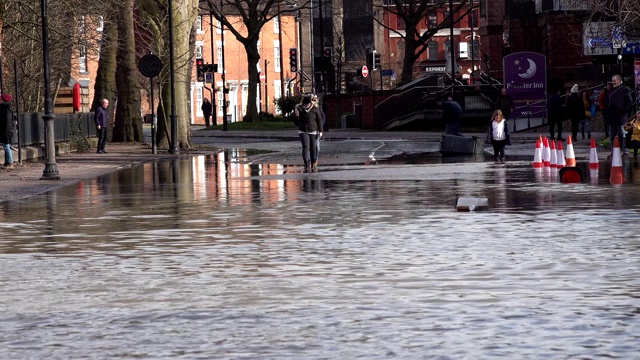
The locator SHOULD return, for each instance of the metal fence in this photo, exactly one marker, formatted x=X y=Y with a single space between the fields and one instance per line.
x=31 y=128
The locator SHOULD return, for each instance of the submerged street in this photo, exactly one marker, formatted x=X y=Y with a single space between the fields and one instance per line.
x=240 y=255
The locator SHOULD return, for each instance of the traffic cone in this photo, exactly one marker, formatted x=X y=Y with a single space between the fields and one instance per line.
x=561 y=161
x=553 y=162
x=537 y=156
x=593 y=156
x=617 y=173
x=546 y=152
x=571 y=157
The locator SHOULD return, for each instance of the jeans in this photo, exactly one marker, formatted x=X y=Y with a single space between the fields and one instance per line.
x=585 y=126
x=309 y=148
x=8 y=154
x=102 y=138
x=616 y=130
x=498 y=148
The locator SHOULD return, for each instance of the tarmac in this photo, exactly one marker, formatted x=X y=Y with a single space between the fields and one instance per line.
x=27 y=179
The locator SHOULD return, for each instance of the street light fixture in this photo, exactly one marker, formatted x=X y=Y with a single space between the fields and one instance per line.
x=50 y=168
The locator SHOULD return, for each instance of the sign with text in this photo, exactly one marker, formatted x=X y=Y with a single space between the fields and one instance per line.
x=636 y=71
x=525 y=78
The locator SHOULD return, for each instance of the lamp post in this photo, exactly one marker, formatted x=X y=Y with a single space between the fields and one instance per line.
x=173 y=149
x=50 y=168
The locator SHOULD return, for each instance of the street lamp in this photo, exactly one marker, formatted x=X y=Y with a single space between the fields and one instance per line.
x=50 y=168
x=174 y=118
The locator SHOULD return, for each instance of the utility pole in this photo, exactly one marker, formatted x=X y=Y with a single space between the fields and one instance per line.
x=225 y=123
x=214 y=116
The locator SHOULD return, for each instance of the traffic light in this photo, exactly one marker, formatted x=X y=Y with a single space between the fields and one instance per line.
x=369 y=59
x=200 y=70
x=293 y=60
x=375 y=60
x=327 y=52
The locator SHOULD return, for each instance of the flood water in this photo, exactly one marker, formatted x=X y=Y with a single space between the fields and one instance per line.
x=213 y=258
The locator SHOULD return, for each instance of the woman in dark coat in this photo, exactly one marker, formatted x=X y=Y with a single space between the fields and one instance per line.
x=309 y=121
x=575 y=111
x=7 y=127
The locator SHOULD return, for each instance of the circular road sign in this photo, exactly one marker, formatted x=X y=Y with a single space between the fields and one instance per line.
x=365 y=71
x=150 y=65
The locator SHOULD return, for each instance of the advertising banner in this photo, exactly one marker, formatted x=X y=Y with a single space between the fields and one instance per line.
x=525 y=78
x=636 y=71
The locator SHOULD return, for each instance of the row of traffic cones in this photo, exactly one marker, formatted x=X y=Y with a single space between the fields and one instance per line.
x=547 y=155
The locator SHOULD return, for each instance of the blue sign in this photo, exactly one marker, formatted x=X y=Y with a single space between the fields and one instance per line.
x=631 y=48
x=387 y=72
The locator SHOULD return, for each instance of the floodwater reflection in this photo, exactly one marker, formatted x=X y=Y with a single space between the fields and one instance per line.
x=216 y=258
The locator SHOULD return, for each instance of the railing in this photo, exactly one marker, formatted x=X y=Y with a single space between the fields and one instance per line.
x=31 y=127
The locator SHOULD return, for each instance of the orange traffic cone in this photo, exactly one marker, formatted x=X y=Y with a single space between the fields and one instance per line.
x=546 y=152
x=561 y=161
x=537 y=156
x=571 y=157
x=617 y=173
x=553 y=162
x=593 y=155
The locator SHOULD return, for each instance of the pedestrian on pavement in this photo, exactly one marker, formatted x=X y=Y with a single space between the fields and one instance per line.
x=555 y=113
x=451 y=111
x=574 y=110
x=633 y=127
x=7 y=127
x=619 y=104
x=101 y=119
x=207 y=109
x=309 y=122
x=504 y=103
x=314 y=101
x=603 y=103
x=585 y=122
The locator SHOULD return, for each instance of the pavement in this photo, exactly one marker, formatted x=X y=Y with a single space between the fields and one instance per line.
x=26 y=179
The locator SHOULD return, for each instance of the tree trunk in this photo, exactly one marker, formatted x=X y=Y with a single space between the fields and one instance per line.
x=410 y=46
x=253 y=57
x=105 y=86
x=128 y=122
x=185 y=13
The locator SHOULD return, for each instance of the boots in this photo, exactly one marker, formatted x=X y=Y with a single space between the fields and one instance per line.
x=307 y=166
x=314 y=166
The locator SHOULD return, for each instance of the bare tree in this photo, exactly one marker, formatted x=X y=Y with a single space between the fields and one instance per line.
x=252 y=15
x=413 y=14
x=625 y=14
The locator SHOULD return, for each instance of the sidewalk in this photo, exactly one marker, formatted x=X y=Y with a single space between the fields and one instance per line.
x=26 y=179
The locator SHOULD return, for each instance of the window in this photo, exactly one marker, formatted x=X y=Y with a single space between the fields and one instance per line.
x=277 y=86
x=473 y=19
x=483 y=8
x=220 y=101
x=219 y=55
x=100 y=23
x=276 y=25
x=199 y=48
x=400 y=23
x=432 y=20
x=199 y=25
x=199 y=101
x=475 y=49
x=81 y=25
x=433 y=50
x=82 y=60
x=218 y=27
x=463 y=48
x=276 y=56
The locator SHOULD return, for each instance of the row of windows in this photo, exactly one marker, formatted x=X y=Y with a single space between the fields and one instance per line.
x=218 y=25
x=464 y=49
x=432 y=20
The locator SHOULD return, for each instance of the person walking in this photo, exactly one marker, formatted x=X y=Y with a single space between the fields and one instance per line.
x=309 y=122
x=101 y=119
x=555 y=114
x=574 y=110
x=207 y=109
x=585 y=122
x=451 y=111
x=619 y=104
x=7 y=127
x=504 y=103
x=603 y=102
x=498 y=135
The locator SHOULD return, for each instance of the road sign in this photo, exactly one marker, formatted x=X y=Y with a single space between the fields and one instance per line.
x=387 y=72
x=262 y=76
x=365 y=71
x=150 y=65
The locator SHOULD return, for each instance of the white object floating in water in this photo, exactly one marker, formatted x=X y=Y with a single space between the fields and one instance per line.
x=472 y=203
